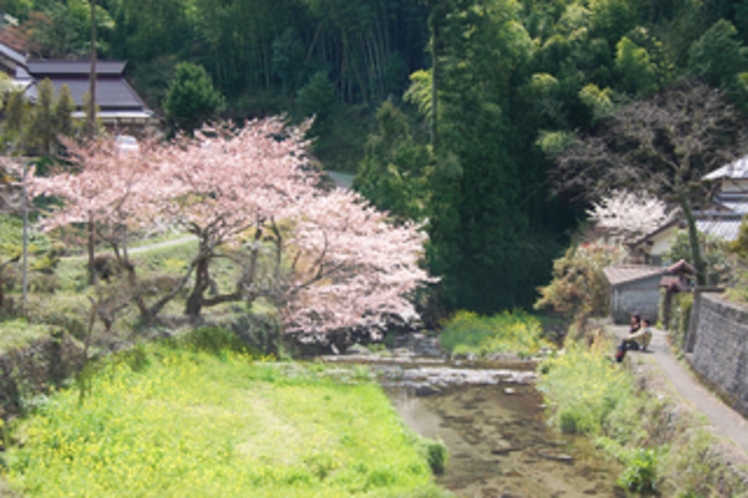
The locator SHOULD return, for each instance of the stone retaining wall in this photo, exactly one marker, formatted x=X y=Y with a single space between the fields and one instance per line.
x=717 y=346
x=34 y=369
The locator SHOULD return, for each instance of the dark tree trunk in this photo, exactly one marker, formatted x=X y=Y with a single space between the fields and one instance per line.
x=202 y=282
x=693 y=239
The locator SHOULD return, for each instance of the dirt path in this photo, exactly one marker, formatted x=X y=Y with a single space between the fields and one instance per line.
x=725 y=421
x=151 y=247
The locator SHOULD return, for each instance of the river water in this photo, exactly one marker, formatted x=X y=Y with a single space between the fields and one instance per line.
x=492 y=419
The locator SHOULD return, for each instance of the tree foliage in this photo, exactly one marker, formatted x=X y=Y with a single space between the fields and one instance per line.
x=719 y=266
x=394 y=172
x=664 y=145
x=191 y=99
x=493 y=81
x=628 y=214
x=579 y=288
x=326 y=259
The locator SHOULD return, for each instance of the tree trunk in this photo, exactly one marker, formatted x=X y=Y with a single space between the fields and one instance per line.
x=693 y=239
x=202 y=283
x=432 y=128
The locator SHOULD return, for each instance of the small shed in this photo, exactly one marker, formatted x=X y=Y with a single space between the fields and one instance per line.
x=634 y=289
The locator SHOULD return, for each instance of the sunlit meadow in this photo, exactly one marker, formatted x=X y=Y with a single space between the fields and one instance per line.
x=165 y=421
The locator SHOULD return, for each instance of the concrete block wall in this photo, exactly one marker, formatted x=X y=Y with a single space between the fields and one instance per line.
x=718 y=343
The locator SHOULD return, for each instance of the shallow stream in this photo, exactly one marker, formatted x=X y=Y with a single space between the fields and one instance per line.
x=492 y=419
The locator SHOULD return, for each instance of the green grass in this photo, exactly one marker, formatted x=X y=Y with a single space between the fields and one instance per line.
x=18 y=333
x=174 y=421
x=508 y=332
x=584 y=389
x=663 y=447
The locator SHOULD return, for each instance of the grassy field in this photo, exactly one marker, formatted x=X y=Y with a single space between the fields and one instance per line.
x=166 y=420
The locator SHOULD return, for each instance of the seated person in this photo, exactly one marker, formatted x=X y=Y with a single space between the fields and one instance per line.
x=640 y=338
x=635 y=324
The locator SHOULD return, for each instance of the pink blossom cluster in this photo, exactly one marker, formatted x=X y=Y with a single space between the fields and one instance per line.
x=344 y=264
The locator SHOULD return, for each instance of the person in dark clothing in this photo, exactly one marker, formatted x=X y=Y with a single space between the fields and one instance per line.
x=637 y=338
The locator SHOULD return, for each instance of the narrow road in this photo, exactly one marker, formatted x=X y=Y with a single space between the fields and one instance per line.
x=726 y=421
x=150 y=247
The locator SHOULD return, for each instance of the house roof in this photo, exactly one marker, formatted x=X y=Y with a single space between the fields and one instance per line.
x=737 y=169
x=41 y=68
x=681 y=266
x=724 y=227
x=675 y=220
x=620 y=274
x=16 y=57
x=13 y=38
x=674 y=284
x=740 y=207
x=113 y=92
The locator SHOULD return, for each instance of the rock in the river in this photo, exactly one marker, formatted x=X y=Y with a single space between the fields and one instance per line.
x=559 y=457
x=427 y=391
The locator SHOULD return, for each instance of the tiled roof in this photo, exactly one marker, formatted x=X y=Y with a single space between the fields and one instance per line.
x=13 y=55
x=14 y=38
x=619 y=274
x=111 y=93
x=41 y=68
x=681 y=266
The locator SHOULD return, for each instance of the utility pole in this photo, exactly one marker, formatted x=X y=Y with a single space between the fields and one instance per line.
x=92 y=75
x=92 y=135
x=25 y=271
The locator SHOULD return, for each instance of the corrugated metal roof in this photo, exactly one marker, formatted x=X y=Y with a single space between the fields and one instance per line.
x=736 y=169
x=725 y=228
x=41 y=68
x=619 y=274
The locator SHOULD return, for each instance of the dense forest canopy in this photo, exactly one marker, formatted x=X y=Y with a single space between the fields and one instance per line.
x=514 y=80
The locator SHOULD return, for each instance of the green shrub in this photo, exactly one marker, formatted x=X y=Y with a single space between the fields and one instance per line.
x=583 y=388
x=680 y=317
x=641 y=471
x=579 y=288
x=18 y=332
x=213 y=340
x=69 y=311
x=434 y=451
x=437 y=456
x=515 y=332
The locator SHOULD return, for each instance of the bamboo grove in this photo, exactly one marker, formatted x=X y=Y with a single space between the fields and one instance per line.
x=456 y=106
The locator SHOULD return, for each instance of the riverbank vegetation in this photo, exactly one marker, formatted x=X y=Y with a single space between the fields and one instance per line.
x=202 y=416
x=516 y=333
x=666 y=448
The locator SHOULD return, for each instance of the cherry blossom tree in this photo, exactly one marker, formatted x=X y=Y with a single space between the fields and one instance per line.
x=227 y=183
x=327 y=259
x=628 y=214
x=350 y=266
x=109 y=190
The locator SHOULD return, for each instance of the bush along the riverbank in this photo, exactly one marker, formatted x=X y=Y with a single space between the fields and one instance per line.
x=666 y=448
x=200 y=418
x=513 y=334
